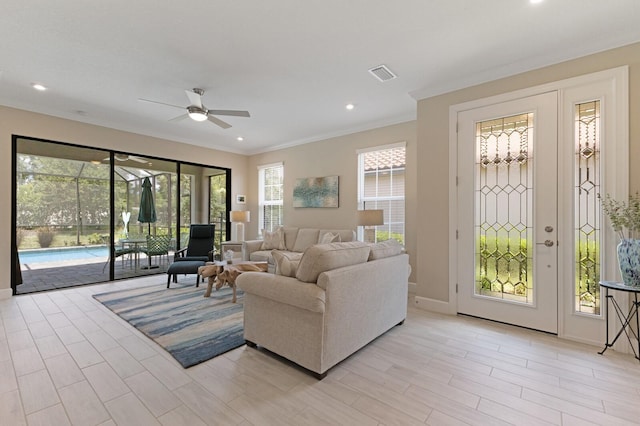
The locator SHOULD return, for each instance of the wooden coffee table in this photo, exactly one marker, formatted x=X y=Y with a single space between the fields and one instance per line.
x=225 y=273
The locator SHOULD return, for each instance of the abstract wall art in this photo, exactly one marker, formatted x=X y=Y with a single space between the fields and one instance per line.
x=316 y=192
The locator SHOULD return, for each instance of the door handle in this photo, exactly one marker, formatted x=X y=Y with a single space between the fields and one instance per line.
x=547 y=243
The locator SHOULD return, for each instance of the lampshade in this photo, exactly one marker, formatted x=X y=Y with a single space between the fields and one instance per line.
x=240 y=216
x=370 y=217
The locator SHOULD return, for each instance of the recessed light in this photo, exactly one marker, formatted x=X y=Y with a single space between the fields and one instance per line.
x=240 y=138
x=535 y=1
x=350 y=106
x=38 y=86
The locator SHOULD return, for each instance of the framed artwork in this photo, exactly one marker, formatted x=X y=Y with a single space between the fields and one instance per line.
x=316 y=192
x=241 y=199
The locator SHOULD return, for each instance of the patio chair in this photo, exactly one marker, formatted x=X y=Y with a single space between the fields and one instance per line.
x=200 y=246
x=157 y=245
x=118 y=250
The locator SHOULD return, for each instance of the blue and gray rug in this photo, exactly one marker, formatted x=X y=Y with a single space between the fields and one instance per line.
x=192 y=328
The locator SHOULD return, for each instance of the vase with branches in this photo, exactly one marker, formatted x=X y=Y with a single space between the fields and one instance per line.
x=625 y=221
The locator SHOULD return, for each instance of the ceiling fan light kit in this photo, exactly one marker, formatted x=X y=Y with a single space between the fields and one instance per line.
x=197 y=114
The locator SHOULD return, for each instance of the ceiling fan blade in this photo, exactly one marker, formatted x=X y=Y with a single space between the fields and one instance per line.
x=138 y=159
x=194 y=98
x=161 y=103
x=219 y=122
x=180 y=117
x=232 y=112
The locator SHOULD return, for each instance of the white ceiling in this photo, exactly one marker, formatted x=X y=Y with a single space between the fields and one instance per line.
x=293 y=64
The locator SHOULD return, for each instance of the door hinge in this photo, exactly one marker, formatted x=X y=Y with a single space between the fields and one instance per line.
x=456 y=127
x=457 y=180
x=456 y=234
x=456 y=287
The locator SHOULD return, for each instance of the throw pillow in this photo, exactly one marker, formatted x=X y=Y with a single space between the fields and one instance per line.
x=330 y=238
x=273 y=240
x=286 y=263
x=385 y=249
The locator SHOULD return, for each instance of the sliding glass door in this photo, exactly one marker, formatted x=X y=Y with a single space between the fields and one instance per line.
x=83 y=215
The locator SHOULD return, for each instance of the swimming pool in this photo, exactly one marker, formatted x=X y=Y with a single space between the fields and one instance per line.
x=63 y=254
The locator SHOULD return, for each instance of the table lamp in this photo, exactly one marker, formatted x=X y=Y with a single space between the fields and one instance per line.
x=239 y=218
x=367 y=218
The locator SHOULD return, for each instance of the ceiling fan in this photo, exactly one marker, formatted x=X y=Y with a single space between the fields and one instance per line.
x=126 y=157
x=198 y=112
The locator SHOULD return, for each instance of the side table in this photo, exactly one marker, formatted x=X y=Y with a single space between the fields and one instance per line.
x=625 y=319
x=223 y=273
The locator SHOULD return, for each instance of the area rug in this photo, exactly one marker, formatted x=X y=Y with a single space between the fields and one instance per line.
x=192 y=328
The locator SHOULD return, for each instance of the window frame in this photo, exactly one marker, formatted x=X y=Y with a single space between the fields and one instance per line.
x=364 y=200
x=262 y=202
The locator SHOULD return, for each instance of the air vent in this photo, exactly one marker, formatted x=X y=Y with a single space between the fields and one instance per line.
x=382 y=73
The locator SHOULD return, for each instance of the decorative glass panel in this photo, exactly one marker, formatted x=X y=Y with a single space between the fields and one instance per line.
x=504 y=208
x=587 y=213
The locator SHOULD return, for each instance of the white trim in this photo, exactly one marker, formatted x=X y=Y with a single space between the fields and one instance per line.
x=620 y=76
x=433 y=305
x=6 y=293
x=268 y=166
x=402 y=144
x=536 y=90
x=412 y=288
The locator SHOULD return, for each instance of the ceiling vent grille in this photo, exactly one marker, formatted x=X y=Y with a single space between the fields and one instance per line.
x=382 y=73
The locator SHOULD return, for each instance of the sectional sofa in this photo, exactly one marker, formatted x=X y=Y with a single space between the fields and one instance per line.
x=290 y=239
x=326 y=304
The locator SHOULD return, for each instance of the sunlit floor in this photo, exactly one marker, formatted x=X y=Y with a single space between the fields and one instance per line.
x=67 y=360
x=71 y=273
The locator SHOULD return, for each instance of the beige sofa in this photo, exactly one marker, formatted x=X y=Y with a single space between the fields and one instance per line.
x=296 y=240
x=343 y=296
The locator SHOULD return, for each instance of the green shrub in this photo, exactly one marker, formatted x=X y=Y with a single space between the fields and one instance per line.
x=385 y=235
x=95 y=238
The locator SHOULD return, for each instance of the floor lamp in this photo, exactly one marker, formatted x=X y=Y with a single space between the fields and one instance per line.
x=239 y=218
x=368 y=218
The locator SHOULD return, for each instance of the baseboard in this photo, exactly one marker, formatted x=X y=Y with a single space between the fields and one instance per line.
x=434 y=305
x=6 y=293
x=594 y=343
x=412 y=288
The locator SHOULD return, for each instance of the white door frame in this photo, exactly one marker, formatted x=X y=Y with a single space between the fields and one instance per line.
x=615 y=182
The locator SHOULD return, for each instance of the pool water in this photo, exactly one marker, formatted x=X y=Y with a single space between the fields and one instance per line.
x=63 y=254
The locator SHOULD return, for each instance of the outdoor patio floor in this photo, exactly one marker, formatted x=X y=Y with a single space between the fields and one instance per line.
x=72 y=273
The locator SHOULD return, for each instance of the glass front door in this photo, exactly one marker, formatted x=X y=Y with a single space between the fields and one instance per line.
x=508 y=187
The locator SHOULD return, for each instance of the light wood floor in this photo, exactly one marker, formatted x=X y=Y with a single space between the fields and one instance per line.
x=65 y=359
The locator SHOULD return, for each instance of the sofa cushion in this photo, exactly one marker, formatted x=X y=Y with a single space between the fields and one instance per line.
x=385 y=249
x=286 y=262
x=325 y=257
x=290 y=234
x=273 y=240
x=260 y=256
x=305 y=239
x=329 y=237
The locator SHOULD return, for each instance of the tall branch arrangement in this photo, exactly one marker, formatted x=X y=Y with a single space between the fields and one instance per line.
x=624 y=217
